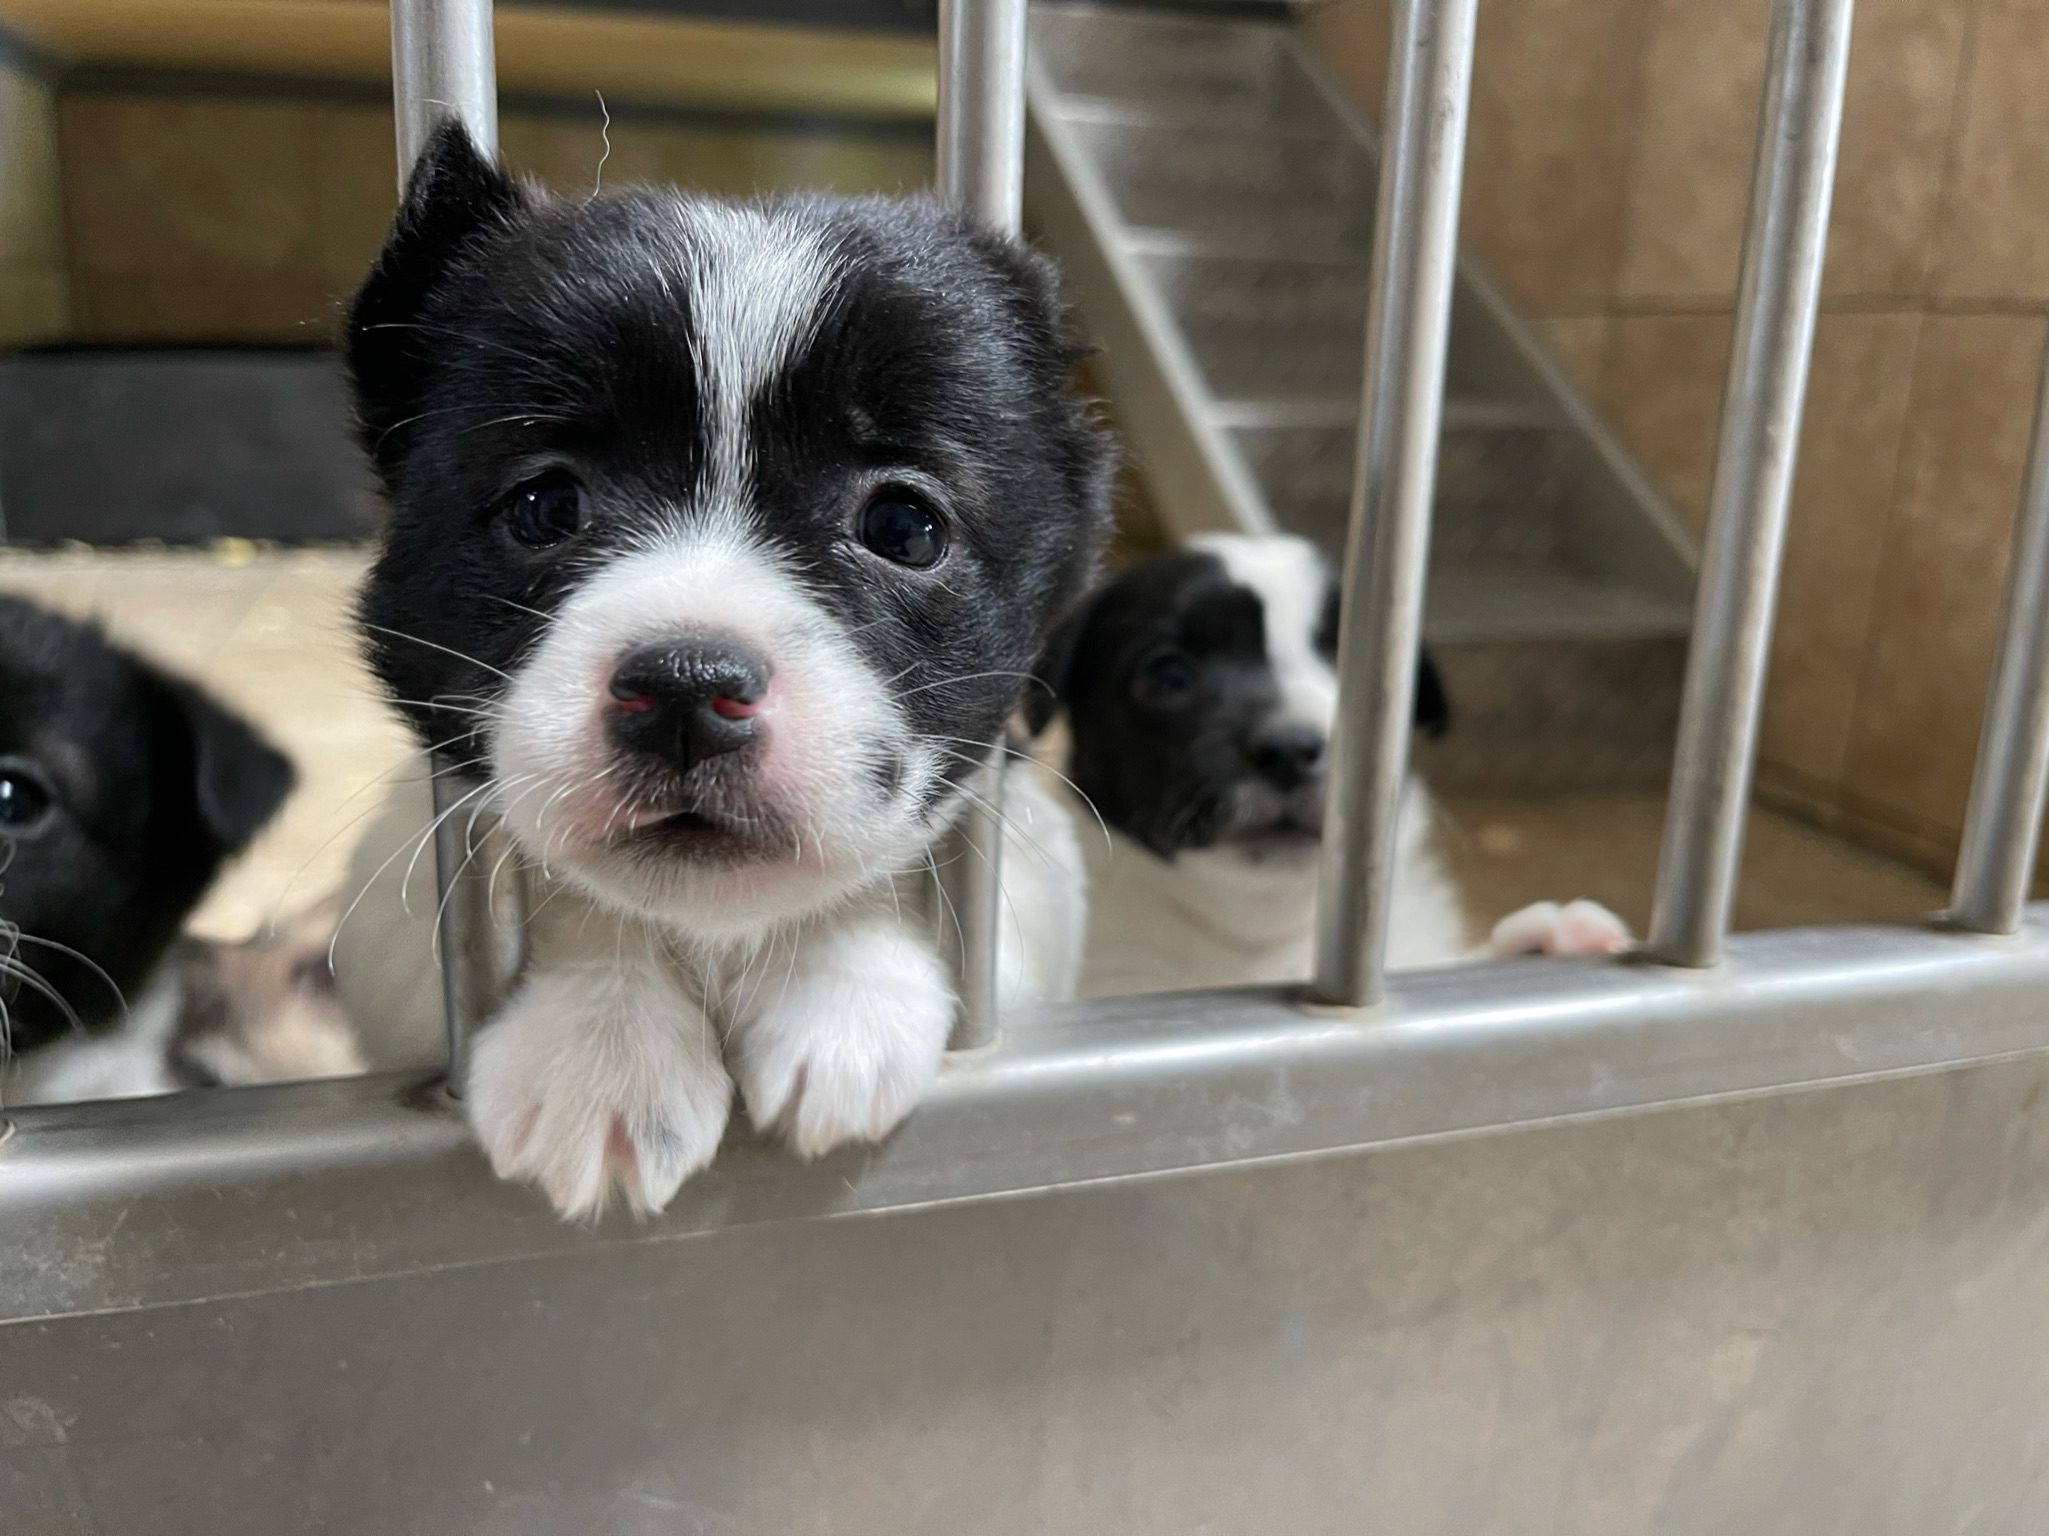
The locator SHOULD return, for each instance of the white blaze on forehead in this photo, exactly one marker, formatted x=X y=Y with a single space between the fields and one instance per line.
x=1292 y=583
x=759 y=280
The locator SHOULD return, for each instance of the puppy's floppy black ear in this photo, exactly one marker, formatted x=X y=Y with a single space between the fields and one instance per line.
x=239 y=779
x=1433 y=704
x=1035 y=282
x=454 y=194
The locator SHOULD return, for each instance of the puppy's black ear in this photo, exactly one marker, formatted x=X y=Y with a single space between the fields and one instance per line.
x=1433 y=704
x=239 y=779
x=454 y=195
x=1034 y=283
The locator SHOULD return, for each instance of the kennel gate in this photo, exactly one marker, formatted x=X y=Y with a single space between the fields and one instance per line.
x=1255 y=1267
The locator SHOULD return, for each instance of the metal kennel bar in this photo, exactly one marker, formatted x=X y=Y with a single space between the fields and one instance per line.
x=982 y=108
x=442 y=66
x=1408 y=320
x=981 y=168
x=2003 y=825
x=1799 y=125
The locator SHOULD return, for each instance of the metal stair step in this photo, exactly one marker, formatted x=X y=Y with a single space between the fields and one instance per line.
x=1501 y=499
x=1298 y=117
x=1306 y=192
x=1462 y=413
x=1234 y=245
x=1215 y=201
x=1266 y=326
x=1555 y=715
x=1482 y=605
x=1215 y=70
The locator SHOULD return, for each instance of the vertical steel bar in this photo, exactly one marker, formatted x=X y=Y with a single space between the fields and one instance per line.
x=1799 y=123
x=482 y=943
x=1408 y=316
x=981 y=108
x=981 y=168
x=2004 y=824
x=442 y=65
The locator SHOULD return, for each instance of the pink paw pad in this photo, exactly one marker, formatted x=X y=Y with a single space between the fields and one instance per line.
x=1549 y=928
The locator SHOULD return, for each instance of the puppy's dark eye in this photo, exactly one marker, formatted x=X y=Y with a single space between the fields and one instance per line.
x=902 y=529
x=546 y=510
x=23 y=800
x=1165 y=681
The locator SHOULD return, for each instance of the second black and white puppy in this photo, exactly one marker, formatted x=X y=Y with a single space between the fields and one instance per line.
x=124 y=790
x=723 y=538
x=1199 y=691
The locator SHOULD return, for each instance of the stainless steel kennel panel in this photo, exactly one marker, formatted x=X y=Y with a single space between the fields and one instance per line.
x=1240 y=1261
x=1786 y=1317
x=1256 y=1275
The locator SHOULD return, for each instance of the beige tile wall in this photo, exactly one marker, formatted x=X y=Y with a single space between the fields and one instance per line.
x=1610 y=150
x=202 y=218
x=1606 y=178
x=34 y=293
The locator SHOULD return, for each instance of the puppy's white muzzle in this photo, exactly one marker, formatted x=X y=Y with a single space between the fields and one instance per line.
x=695 y=739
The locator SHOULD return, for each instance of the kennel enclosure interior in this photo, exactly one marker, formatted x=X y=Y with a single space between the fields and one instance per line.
x=1546 y=1245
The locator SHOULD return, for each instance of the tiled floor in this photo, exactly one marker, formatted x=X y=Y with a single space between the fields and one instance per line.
x=270 y=633
x=1509 y=852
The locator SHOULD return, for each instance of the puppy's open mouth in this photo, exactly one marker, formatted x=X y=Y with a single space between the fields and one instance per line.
x=682 y=823
x=694 y=832
x=1280 y=837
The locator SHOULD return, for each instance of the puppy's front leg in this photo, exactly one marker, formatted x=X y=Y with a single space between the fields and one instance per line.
x=601 y=1069
x=843 y=1042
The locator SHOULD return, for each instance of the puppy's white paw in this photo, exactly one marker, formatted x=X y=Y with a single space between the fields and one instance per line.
x=850 y=1045
x=1548 y=928
x=596 y=1075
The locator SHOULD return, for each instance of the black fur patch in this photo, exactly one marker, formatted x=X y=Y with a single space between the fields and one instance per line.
x=501 y=333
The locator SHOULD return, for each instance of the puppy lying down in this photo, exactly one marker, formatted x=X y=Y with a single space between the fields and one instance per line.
x=1198 y=690
x=723 y=539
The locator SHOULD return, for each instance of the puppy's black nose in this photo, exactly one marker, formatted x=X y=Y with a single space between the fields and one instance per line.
x=1288 y=755
x=688 y=700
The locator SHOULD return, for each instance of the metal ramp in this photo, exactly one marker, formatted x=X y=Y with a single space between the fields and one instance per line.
x=1210 y=194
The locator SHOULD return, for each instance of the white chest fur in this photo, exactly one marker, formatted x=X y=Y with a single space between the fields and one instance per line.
x=1211 y=918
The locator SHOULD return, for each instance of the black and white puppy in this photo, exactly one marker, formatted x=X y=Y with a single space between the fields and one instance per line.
x=123 y=791
x=723 y=538
x=1199 y=691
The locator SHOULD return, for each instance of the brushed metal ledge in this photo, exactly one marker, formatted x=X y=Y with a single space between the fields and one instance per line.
x=152 y=1202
